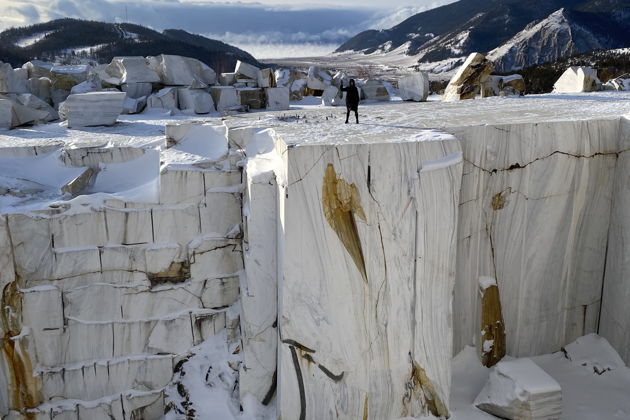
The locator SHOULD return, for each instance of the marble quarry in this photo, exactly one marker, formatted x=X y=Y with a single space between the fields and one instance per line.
x=346 y=266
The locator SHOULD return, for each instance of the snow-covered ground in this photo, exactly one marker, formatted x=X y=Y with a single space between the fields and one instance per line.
x=594 y=382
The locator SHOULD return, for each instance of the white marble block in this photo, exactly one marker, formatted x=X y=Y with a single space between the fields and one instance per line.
x=259 y=311
x=414 y=87
x=137 y=89
x=197 y=100
x=577 y=79
x=318 y=79
x=245 y=70
x=165 y=98
x=375 y=90
x=615 y=323
x=329 y=96
x=521 y=390
x=369 y=265
x=94 y=108
x=225 y=97
x=175 y=70
x=277 y=99
x=12 y=80
x=132 y=70
x=534 y=214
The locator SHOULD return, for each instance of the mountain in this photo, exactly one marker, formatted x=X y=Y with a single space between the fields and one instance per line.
x=552 y=28
x=100 y=41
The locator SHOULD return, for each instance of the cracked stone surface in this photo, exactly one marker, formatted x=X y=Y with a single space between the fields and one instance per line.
x=353 y=343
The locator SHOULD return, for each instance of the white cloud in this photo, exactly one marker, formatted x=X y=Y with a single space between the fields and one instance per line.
x=265 y=28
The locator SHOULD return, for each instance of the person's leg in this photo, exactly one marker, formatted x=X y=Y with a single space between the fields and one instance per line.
x=356 y=114
x=347 y=114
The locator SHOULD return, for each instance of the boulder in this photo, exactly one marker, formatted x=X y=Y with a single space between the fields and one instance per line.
x=329 y=95
x=134 y=105
x=6 y=114
x=277 y=98
x=14 y=114
x=298 y=89
x=92 y=84
x=340 y=78
x=197 y=100
x=227 y=79
x=246 y=83
x=137 y=90
x=491 y=86
x=254 y=98
x=132 y=70
x=92 y=109
x=225 y=97
x=198 y=84
x=514 y=81
x=33 y=102
x=376 y=90
x=57 y=96
x=246 y=71
x=266 y=78
x=40 y=87
x=175 y=70
x=286 y=77
x=36 y=68
x=165 y=98
x=467 y=81
x=621 y=83
x=65 y=77
x=318 y=79
x=577 y=79
x=414 y=87
x=520 y=389
x=12 y=80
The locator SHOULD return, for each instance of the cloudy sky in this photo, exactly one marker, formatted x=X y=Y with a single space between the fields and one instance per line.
x=265 y=28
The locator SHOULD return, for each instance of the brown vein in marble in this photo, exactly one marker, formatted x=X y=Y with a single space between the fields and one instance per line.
x=492 y=327
x=341 y=202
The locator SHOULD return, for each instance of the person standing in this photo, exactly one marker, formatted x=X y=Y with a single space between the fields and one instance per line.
x=352 y=100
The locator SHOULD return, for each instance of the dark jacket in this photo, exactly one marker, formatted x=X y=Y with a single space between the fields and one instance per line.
x=352 y=96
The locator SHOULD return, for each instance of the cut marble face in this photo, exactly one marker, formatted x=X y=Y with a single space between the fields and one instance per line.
x=368 y=268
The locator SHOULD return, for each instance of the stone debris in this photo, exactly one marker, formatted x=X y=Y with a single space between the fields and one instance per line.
x=467 y=81
x=92 y=84
x=414 y=87
x=92 y=109
x=576 y=80
x=134 y=105
x=375 y=90
x=521 y=390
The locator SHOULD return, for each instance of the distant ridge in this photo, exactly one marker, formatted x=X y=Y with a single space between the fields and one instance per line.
x=519 y=33
x=75 y=39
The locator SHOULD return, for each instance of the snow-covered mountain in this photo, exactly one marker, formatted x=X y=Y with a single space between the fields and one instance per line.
x=74 y=39
x=557 y=36
x=517 y=33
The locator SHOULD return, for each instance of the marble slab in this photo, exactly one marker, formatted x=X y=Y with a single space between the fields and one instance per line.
x=369 y=266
